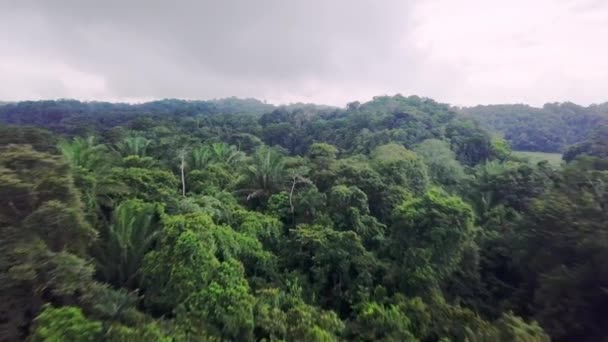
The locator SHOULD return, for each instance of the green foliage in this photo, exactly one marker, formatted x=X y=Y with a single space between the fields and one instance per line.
x=279 y=206
x=455 y=323
x=548 y=129
x=149 y=185
x=212 y=179
x=216 y=153
x=564 y=251
x=181 y=265
x=513 y=328
x=429 y=235
x=245 y=142
x=194 y=275
x=349 y=211
x=358 y=171
x=40 y=139
x=139 y=162
x=390 y=220
x=265 y=176
x=442 y=166
x=470 y=142
x=377 y=322
x=123 y=244
x=133 y=146
x=148 y=332
x=323 y=164
x=85 y=153
x=225 y=305
x=554 y=159
x=595 y=146
x=400 y=167
x=336 y=263
x=220 y=207
x=322 y=155
x=284 y=316
x=65 y=324
x=244 y=247
x=113 y=306
x=45 y=236
x=500 y=148
x=511 y=183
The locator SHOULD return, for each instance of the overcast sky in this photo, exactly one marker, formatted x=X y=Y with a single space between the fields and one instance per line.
x=462 y=52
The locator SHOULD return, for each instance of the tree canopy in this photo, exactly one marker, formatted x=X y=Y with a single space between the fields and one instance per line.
x=397 y=219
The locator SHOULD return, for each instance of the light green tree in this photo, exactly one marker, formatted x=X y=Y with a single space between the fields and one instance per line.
x=65 y=324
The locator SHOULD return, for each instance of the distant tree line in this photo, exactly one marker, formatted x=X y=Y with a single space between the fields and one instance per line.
x=551 y=128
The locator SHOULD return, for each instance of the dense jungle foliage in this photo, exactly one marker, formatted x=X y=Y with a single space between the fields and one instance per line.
x=551 y=128
x=234 y=220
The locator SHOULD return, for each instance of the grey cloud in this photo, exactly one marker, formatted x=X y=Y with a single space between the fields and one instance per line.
x=328 y=51
x=201 y=49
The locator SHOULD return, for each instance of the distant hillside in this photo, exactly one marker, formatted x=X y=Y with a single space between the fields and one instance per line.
x=548 y=129
x=72 y=116
x=551 y=128
x=234 y=105
x=357 y=128
x=66 y=115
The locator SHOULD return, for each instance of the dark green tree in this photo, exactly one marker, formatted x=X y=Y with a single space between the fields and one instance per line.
x=45 y=237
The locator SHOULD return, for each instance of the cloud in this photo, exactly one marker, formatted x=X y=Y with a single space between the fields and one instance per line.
x=315 y=51
x=521 y=51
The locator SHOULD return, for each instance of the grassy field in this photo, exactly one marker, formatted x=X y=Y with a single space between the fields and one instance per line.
x=535 y=157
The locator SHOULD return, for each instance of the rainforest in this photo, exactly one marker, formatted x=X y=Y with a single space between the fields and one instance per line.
x=396 y=219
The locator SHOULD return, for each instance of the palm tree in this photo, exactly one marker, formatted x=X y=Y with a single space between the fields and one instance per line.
x=123 y=244
x=133 y=146
x=100 y=191
x=216 y=153
x=227 y=154
x=200 y=158
x=85 y=153
x=91 y=163
x=266 y=175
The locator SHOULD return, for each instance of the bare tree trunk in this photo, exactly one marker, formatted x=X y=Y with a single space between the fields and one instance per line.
x=293 y=185
x=293 y=211
x=182 y=166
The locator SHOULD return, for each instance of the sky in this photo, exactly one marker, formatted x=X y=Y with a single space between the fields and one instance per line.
x=463 y=52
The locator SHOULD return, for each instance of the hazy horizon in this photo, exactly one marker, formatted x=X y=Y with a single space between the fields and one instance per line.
x=137 y=102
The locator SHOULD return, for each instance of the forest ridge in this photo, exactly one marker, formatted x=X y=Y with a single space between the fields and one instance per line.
x=397 y=219
x=551 y=128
